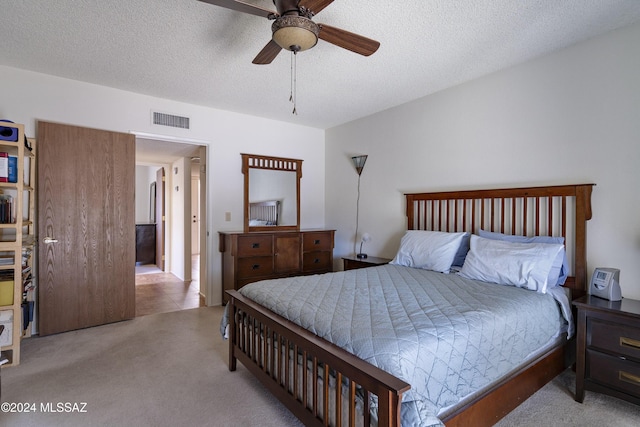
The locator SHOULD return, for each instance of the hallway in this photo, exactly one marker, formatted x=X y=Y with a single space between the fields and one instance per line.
x=160 y=292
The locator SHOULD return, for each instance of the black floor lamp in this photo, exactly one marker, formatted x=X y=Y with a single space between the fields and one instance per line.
x=358 y=163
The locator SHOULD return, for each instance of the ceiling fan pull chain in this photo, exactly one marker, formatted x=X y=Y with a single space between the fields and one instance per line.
x=292 y=97
x=291 y=77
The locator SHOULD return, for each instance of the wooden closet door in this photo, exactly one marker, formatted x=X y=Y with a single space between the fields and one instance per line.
x=86 y=271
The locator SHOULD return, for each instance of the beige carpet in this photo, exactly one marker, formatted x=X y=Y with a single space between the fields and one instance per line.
x=166 y=369
x=170 y=369
x=553 y=405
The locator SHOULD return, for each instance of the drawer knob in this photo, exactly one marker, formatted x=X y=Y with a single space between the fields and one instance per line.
x=316 y=261
x=316 y=242
x=629 y=378
x=255 y=266
x=629 y=342
x=255 y=245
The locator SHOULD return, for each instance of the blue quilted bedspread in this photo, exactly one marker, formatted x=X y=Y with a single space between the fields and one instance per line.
x=445 y=335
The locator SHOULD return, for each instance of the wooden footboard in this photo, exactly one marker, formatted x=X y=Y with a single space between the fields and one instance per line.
x=492 y=405
x=270 y=346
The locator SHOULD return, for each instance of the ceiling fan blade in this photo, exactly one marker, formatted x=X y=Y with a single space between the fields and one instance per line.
x=267 y=54
x=241 y=7
x=346 y=40
x=315 y=6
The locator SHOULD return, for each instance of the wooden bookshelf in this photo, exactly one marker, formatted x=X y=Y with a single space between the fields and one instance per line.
x=17 y=237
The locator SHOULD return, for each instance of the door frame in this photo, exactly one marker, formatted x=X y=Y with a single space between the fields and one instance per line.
x=205 y=207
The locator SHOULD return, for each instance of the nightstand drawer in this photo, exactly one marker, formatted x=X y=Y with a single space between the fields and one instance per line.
x=614 y=337
x=255 y=266
x=614 y=372
x=255 y=245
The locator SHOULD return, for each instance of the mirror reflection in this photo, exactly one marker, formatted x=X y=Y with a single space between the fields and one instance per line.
x=272 y=198
x=271 y=192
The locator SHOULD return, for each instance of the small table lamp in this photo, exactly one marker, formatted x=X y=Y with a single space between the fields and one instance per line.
x=365 y=238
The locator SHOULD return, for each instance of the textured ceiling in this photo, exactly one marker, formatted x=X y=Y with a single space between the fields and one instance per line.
x=201 y=54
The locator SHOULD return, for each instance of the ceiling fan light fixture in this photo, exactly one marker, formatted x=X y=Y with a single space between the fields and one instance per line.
x=295 y=33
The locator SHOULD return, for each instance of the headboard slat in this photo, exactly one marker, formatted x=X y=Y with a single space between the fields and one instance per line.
x=513 y=214
x=550 y=215
x=564 y=217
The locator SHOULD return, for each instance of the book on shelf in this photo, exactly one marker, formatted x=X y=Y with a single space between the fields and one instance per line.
x=4 y=166
x=12 y=169
x=6 y=209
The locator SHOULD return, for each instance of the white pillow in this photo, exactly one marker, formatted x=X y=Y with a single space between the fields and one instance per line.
x=525 y=265
x=430 y=250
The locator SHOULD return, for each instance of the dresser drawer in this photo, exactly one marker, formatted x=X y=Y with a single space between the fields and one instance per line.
x=317 y=241
x=255 y=267
x=614 y=337
x=317 y=261
x=614 y=372
x=250 y=246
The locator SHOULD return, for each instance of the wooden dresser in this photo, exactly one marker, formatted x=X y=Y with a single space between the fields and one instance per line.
x=145 y=244
x=608 y=348
x=250 y=257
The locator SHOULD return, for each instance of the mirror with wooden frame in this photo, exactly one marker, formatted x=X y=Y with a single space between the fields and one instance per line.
x=271 y=193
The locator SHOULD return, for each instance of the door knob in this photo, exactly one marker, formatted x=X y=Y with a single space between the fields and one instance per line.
x=50 y=240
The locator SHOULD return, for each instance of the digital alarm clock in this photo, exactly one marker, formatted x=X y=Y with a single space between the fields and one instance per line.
x=605 y=283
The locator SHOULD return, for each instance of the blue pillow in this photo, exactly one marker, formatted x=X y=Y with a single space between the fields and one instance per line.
x=560 y=268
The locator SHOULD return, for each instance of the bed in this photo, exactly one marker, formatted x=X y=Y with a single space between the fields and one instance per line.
x=325 y=383
x=264 y=213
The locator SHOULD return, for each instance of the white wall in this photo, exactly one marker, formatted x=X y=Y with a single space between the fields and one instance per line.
x=32 y=96
x=570 y=117
x=180 y=206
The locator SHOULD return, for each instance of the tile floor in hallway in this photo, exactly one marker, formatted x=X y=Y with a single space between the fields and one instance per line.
x=160 y=292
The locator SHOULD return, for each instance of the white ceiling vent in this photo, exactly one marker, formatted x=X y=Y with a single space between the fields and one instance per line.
x=171 y=120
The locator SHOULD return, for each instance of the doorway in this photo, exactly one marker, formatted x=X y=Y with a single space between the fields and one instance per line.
x=179 y=285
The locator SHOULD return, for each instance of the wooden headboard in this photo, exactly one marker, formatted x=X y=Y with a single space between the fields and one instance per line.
x=268 y=211
x=533 y=211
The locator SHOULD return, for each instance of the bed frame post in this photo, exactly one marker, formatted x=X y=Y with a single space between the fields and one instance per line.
x=232 y=333
x=583 y=214
x=389 y=410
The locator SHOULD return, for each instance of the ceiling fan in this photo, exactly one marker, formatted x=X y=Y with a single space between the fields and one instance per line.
x=294 y=30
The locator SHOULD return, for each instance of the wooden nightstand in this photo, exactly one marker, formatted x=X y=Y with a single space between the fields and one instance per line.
x=608 y=348
x=351 y=262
